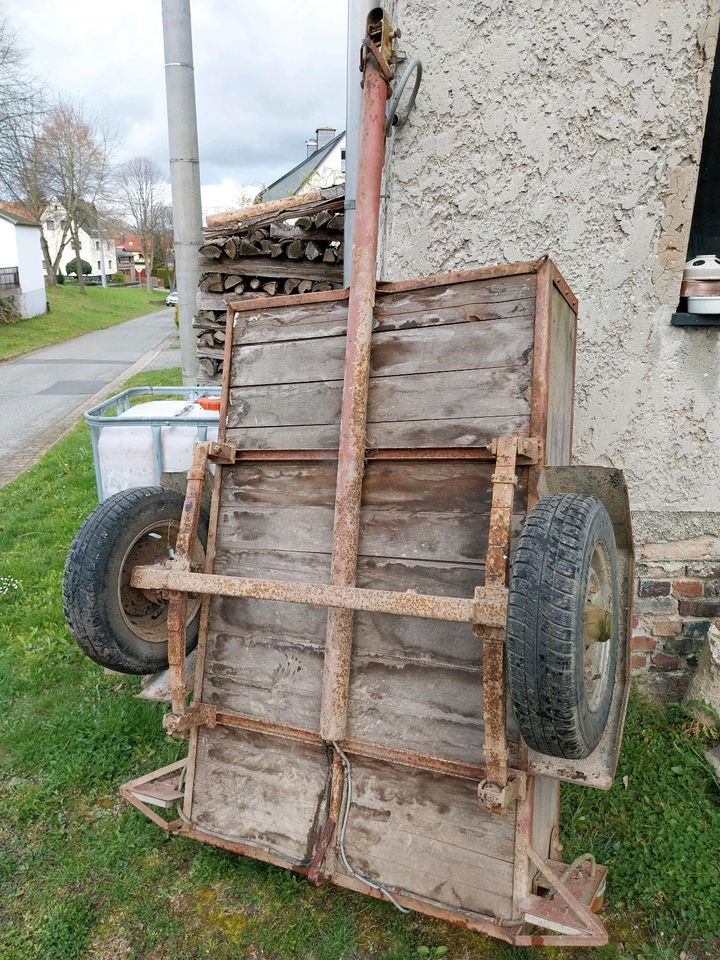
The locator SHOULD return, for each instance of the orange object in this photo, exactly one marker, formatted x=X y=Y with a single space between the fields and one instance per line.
x=208 y=403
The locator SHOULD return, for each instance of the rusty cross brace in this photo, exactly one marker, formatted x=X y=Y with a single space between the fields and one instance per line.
x=177 y=606
x=488 y=607
x=499 y=789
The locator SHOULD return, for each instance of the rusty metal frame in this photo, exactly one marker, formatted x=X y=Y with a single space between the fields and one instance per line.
x=498 y=789
x=488 y=607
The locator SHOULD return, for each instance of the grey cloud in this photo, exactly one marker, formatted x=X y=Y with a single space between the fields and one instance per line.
x=267 y=74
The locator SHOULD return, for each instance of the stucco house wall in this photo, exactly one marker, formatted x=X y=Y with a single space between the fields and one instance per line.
x=577 y=131
x=30 y=269
x=92 y=249
x=20 y=247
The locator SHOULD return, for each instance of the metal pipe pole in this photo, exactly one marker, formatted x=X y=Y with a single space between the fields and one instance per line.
x=358 y=11
x=184 y=171
x=353 y=417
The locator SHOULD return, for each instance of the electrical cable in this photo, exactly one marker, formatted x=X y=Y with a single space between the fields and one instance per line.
x=344 y=815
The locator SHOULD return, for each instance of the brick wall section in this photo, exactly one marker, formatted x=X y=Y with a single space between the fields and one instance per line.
x=677 y=596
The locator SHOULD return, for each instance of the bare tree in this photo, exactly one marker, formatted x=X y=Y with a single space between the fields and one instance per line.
x=76 y=150
x=20 y=99
x=22 y=113
x=163 y=241
x=141 y=193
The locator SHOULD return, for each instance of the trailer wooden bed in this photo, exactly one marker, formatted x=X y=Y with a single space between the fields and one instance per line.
x=425 y=793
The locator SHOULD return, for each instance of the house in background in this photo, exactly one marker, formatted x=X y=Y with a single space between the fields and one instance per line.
x=21 y=262
x=93 y=248
x=130 y=261
x=324 y=166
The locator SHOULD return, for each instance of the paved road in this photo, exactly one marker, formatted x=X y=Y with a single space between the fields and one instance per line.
x=39 y=391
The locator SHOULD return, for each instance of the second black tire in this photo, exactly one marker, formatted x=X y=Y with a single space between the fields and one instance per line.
x=115 y=625
x=561 y=680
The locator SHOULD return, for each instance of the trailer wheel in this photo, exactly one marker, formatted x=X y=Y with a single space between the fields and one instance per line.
x=562 y=627
x=115 y=624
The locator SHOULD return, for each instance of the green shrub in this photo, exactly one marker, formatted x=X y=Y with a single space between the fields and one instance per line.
x=163 y=275
x=118 y=277
x=9 y=312
x=71 y=267
x=60 y=277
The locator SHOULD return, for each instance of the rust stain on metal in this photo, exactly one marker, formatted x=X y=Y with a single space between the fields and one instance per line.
x=353 y=416
x=196 y=715
x=488 y=607
x=495 y=795
x=419 y=761
x=184 y=548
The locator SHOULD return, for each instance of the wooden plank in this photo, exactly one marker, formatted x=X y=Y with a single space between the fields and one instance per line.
x=561 y=381
x=457 y=346
x=483 y=301
x=435 y=485
x=418 y=640
x=459 y=277
x=419 y=510
x=428 y=835
x=436 y=536
x=260 y=790
x=264 y=659
x=263 y=214
x=463 y=432
x=266 y=673
x=452 y=395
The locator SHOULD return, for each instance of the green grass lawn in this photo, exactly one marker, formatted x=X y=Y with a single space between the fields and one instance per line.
x=72 y=314
x=84 y=875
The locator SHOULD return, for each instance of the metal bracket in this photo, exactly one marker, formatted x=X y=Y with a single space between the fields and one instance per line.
x=222 y=452
x=378 y=44
x=196 y=715
x=497 y=799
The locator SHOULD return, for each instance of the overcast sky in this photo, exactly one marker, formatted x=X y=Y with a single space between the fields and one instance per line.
x=267 y=73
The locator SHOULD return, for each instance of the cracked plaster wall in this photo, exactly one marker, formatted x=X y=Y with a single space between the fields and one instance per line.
x=577 y=130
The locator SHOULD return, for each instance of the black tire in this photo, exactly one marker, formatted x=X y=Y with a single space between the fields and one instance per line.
x=565 y=556
x=115 y=625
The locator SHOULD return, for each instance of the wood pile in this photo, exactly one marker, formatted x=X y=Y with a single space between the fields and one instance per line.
x=281 y=248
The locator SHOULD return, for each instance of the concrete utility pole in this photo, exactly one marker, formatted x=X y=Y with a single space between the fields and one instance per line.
x=184 y=170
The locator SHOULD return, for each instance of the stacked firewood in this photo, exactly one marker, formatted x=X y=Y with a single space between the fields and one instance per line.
x=281 y=248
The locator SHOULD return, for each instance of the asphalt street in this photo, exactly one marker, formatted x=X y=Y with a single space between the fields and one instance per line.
x=39 y=390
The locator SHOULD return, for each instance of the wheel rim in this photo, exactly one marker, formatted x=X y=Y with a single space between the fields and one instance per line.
x=145 y=611
x=598 y=627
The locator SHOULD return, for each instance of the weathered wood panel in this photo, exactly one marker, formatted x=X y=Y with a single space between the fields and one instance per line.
x=444 y=362
x=399 y=408
x=458 y=394
x=423 y=527
x=451 y=366
x=421 y=350
x=461 y=432
x=422 y=510
x=428 y=835
x=561 y=377
x=481 y=300
x=263 y=791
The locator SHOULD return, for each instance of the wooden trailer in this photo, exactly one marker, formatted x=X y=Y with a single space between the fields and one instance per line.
x=430 y=798
x=395 y=543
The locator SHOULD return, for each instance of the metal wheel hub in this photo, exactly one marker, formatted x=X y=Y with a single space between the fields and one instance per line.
x=598 y=627
x=145 y=611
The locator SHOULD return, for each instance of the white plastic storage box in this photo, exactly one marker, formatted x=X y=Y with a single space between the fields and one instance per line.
x=143 y=432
